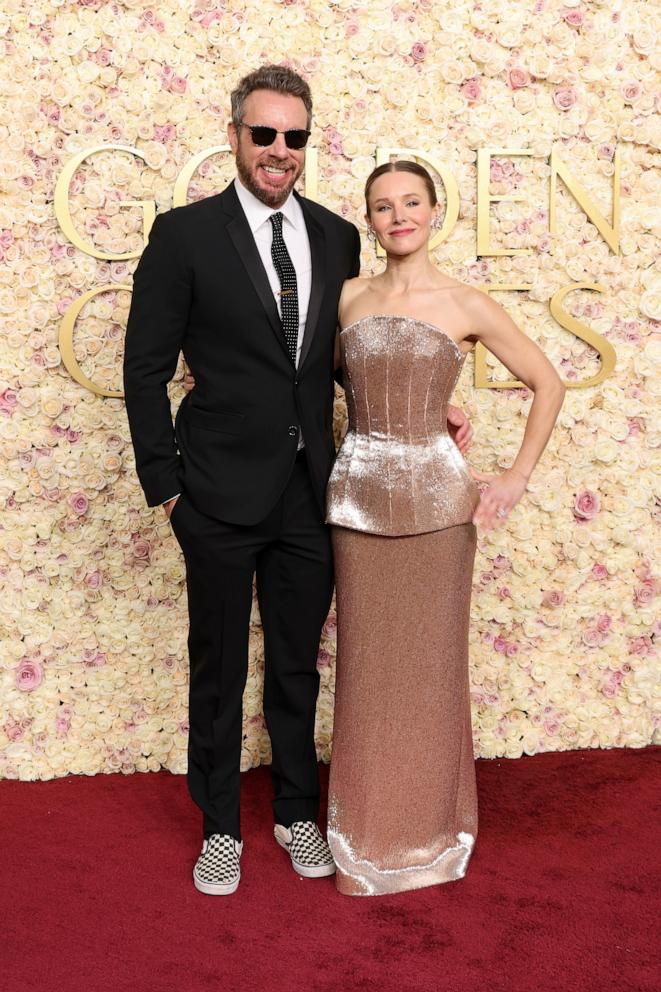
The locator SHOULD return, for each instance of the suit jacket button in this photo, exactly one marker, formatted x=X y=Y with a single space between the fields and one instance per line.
x=292 y=431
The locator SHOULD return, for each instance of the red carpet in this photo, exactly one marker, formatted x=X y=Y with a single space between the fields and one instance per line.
x=562 y=892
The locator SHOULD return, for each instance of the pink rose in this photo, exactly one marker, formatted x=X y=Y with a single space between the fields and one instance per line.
x=505 y=592
x=593 y=638
x=496 y=172
x=564 y=98
x=164 y=133
x=645 y=593
x=95 y=659
x=14 y=730
x=610 y=688
x=210 y=17
x=587 y=505
x=79 y=504
x=472 y=90
x=518 y=78
x=604 y=623
x=330 y=627
x=631 y=91
x=93 y=580
x=323 y=659
x=419 y=52
x=641 y=646
x=29 y=675
x=8 y=401
x=553 y=597
x=500 y=645
x=141 y=549
x=178 y=84
x=512 y=649
x=599 y=572
x=574 y=17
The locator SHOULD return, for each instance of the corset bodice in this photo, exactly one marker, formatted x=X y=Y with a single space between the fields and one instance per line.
x=398 y=470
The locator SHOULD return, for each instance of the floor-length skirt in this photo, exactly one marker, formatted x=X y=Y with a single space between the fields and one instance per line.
x=402 y=805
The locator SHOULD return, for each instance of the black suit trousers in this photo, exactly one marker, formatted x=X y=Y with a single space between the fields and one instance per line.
x=290 y=553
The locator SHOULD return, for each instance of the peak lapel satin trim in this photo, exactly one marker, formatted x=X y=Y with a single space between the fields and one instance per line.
x=242 y=238
x=318 y=257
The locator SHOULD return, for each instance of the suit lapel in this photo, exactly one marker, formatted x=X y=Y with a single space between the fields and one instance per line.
x=318 y=255
x=244 y=242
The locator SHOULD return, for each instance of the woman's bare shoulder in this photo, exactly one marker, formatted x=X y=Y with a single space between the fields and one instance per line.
x=355 y=286
x=352 y=290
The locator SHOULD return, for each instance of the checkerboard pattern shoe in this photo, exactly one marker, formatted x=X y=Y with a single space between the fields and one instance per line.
x=217 y=870
x=310 y=854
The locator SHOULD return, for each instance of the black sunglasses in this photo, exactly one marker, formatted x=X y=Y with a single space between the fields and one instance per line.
x=296 y=138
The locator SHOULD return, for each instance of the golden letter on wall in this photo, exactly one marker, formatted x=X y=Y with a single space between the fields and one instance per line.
x=593 y=338
x=63 y=213
x=384 y=155
x=180 y=192
x=66 y=340
x=485 y=199
x=596 y=340
x=610 y=233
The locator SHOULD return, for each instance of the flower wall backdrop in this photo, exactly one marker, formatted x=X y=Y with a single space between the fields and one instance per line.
x=93 y=672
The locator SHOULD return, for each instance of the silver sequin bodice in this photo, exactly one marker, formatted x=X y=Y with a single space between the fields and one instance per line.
x=398 y=470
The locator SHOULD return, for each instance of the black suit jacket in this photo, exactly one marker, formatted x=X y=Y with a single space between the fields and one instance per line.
x=200 y=287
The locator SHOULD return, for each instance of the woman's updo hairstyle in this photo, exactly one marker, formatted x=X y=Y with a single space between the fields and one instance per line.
x=401 y=165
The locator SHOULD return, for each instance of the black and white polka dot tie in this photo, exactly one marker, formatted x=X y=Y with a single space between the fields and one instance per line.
x=288 y=288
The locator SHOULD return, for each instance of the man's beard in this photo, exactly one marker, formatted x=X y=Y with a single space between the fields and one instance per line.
x=274 y=198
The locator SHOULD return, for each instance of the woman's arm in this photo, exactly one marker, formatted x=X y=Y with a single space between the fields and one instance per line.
x=526 y=361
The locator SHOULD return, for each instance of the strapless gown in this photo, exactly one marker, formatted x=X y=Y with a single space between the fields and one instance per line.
x=402 y=810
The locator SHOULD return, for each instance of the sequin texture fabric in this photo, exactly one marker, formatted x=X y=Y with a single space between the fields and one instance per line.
x=398 y=470
x=402 y=802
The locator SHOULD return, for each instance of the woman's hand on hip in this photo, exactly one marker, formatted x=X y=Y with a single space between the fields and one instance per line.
x=459 y=427
x=499 y=495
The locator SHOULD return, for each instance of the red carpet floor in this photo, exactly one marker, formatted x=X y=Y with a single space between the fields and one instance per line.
x=562 y=892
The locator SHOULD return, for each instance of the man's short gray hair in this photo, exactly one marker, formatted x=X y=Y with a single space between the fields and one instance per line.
x=277 y=78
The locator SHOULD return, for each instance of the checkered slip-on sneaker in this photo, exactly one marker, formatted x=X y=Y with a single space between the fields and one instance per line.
x=310 y=854
x=217 y=870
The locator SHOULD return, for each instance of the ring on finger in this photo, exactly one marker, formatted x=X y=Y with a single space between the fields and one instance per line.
x=501 y=512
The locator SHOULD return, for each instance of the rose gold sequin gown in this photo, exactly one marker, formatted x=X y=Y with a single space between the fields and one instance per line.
x=402 y=797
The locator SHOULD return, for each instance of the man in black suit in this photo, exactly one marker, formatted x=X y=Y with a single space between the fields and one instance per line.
x=246 y=284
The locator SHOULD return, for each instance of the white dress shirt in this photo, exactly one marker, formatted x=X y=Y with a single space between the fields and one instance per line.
x=295 y=236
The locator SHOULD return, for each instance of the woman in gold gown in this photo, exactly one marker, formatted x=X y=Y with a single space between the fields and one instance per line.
x=403 y=508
